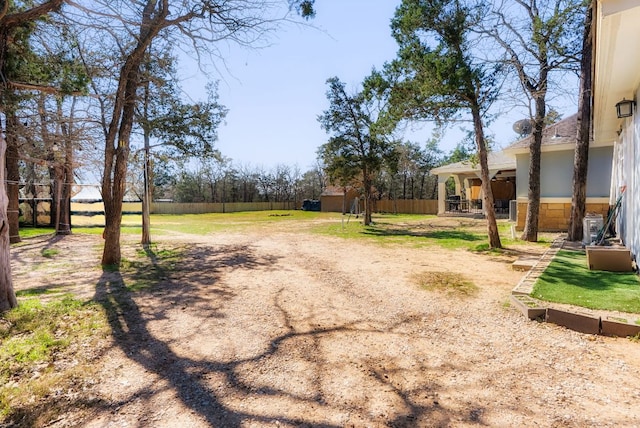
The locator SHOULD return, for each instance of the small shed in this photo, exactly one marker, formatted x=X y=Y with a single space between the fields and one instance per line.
x=338 y=199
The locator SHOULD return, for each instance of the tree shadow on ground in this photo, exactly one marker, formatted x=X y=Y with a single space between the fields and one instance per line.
x=188 y=378
x=39 y=243
x=45 y=266
x=130 y=330
x=432 y=234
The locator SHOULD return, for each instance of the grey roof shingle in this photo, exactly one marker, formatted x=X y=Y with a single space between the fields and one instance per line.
x=562 y=132
x=496 y=160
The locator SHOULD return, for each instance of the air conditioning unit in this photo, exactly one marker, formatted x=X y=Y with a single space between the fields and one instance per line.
x=591 y=225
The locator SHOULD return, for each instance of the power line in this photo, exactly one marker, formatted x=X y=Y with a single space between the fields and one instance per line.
x=23 y=183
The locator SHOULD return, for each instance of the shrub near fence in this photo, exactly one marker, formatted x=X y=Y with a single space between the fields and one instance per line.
x=227 y=207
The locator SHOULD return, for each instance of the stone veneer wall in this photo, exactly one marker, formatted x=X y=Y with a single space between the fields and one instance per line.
x=554 y=217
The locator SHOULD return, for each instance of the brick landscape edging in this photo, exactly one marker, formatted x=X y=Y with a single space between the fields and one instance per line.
x=574 y=320
x=525 y=286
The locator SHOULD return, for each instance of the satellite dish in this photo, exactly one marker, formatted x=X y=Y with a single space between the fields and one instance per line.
x=523 y=127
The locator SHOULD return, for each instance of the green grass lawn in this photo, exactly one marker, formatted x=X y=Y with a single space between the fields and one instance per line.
x=387 y=229
x=413 y=230
x=185 y=223
x=33 y=337
x=30 y=232
x=569 y=280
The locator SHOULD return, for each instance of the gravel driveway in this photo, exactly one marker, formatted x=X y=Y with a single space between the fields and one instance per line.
x=277 y=328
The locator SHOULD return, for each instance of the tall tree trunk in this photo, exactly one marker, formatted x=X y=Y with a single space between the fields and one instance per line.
x=146 y=195
x=481 y=145
x=532 y=219
x=404 y=186
x=57 y=175
x=7 y=295
x=581 y=158
x=63 y=226
x=13 y=177
x=368 y=206
x=30 y=179
x=115 y=167
x=64 y=218
x=344 y=200
x=113 y=190
x=61 y=193
x=413 y=187
x=118 y=136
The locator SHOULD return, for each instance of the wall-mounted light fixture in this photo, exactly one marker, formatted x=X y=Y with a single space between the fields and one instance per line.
x=624 y=108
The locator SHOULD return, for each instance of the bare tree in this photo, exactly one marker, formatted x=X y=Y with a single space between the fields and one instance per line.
x=200 y=25
x=59 y=137
x=538 y=38
x=581 y=158
x=247 y=176
x=10 y=22
x=7 y=295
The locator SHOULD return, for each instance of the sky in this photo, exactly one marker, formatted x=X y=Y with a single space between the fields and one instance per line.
x=275 y=94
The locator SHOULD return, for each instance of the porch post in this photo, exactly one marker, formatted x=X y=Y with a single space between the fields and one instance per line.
x=492 y=173
x=466 y=188
x=481 y=194
x=442 y=193
x=456 y=179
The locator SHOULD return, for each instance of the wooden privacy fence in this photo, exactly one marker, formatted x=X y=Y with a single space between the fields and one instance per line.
x=97 y=208
x=406 y=206
x=218 y=207
x=92 y=214
x=400 y=206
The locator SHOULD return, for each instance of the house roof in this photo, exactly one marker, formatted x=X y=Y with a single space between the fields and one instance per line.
x=497 y=161
x=332 y=191
x=561 y=133
x=90 y=193
x=87 y=194
x=617 y=64
x=558 y=136
x=336 y=190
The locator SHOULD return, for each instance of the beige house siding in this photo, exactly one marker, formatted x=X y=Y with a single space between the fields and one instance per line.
x=556 y=176
x=554 y=216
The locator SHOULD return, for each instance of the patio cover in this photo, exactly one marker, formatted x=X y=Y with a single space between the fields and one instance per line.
x=460 y=171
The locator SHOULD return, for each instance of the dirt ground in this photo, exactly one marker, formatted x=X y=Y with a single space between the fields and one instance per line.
x=274 y=328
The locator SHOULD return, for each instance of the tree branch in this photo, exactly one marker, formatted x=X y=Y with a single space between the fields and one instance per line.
x=41 y=88
x=8 y=21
